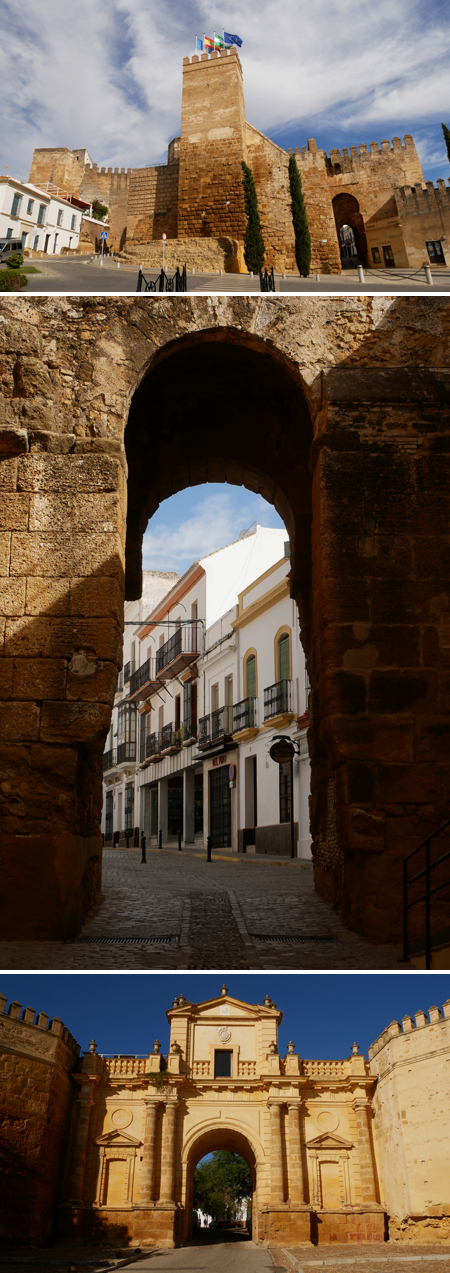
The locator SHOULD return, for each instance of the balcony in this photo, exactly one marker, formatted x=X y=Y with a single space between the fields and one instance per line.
x=143 y=681
x=126 y=752
x=178 y=652
x=128 y=671
x=189 y=731
x=277 y=704
x=110 y=759
x=244 y=715
x=171 y=738
x=219 y=724
x=152 y=747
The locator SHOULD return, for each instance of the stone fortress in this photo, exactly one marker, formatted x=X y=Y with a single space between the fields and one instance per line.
x=105 y=1148
x=391 y=216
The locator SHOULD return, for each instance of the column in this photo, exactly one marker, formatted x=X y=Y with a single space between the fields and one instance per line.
x=188 y=806
x=148 y=1155
x=276 y=1156
x=295 y=1164
x=168 y=1153
x=366 y=1167
x=85 y=1100
x=163 y=808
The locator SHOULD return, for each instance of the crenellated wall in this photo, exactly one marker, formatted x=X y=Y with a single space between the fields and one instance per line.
x=411 y=1061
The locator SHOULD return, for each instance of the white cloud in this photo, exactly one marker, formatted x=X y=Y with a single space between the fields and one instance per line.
x=174 y=540
x=108 y=76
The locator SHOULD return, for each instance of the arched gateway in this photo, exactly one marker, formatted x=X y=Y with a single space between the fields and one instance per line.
x=336 y=410
x=304 y=1127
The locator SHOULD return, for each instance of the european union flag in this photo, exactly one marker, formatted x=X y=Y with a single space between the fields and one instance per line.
x=232 y=39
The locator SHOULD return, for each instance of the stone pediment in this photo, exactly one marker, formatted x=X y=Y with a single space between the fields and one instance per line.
x=226 y=1005
x=117 y=1140
x=328 y=1140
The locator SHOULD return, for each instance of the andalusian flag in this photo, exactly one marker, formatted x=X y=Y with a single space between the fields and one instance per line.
x=219 y=42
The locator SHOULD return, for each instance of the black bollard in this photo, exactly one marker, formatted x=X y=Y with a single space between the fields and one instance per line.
x=143 y=846
x=208 y=849
x=179 y=841
x=160 y=840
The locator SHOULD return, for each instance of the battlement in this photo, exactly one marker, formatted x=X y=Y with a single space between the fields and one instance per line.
x=39 y=1021
x=109 y=172
x=409 y=1024
x=213 y=56
x=422 y=195
x=374 y=149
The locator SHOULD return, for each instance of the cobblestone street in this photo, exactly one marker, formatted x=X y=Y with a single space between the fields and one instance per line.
x=179 y=911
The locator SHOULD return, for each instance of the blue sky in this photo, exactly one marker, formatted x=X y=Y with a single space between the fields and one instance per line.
x=108 y=76
x=323 y=1013
x=199 y=520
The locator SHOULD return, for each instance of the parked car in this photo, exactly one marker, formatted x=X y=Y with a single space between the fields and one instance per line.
x=8 y=246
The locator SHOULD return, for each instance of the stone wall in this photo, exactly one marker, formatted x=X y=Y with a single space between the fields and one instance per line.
x=153 y=203
x=36 y=1061
x=412 y=1123
x=59 y=166
x=373 y=173
x=212 y=147
x=424 y=213
x=111 y=188
x=337 y=411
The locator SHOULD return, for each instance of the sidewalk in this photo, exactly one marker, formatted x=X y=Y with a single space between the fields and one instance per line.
x=379 y=1257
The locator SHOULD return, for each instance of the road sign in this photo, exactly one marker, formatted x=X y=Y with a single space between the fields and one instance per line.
x=231 y=773
x=104 y=234
x=282 y=750
x=164 y=238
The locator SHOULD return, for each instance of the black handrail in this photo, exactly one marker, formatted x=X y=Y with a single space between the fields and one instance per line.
x=425 y=897
x=164 y=282
x=266 y=280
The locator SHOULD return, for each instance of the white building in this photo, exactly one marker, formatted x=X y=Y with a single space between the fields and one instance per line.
x=219 y=669
x=44 y=221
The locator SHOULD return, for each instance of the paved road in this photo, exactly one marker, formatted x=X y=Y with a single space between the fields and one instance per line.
x=210 y=1252
x=179 y=911
x=85 y=274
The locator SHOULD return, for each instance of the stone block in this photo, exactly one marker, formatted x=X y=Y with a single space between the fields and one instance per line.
x=19 y=721
x=37 y=554
x=40 y=678
x=12 y=596
x=59 y=762
x=74 y=722
x=8 y=473
x=83 y=512
x=45 y=596
x=5 y=547
x=99 y=687
x=13 y=511
x=61 y=474
x=97 y=596
x=32 y=378
x=6 y=678
x=53 y=637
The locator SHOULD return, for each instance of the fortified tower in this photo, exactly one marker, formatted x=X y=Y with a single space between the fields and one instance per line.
x=213 y=145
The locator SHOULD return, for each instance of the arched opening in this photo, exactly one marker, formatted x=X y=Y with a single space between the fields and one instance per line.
x=213 y=407
x=350 y=230
x=218 y=1138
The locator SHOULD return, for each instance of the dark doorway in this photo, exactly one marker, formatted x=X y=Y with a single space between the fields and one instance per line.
x=175 y=806
x=220 y=804
x=350 y=230
x=222 y=1064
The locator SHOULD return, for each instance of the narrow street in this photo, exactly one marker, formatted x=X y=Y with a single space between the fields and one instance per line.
x=180 y=911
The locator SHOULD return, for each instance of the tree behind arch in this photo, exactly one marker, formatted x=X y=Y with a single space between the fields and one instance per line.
x=254 y=247
x=221 y=1184
x=300 y=220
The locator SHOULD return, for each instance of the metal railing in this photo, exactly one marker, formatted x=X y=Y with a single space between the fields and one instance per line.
x=140 y=677
x=408 y=881
x=189 y=730
x=163 y=282
x=266 y=280
x=277 y=698
x=184 y=641
x=110 y=759
x=152 y=745
x=171 y=736
x=126 y=751
x=244 y=714
x=128 y=671
x=218 y=724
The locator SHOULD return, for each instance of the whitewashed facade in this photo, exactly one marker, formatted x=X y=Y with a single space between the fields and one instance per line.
x=45 y=222
x=204 y=691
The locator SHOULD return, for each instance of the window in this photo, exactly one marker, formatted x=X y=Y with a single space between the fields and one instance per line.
x=41 y=214
x=142 y=733
x=129 y=806
x=109 y=815
x=435 y=252
x=388 y=255
x=16 y=205
x=284 y=657
x=250 y=676
x=376 y=256
x=24 y=239
x=190 y=708
x=35 y=242
x=73 y=224
x=126 y=732
x=229 y=703
x=9 y=233
x=285 y=791
x=215 y=697
x=30 y=206
x=60 y=217
x=222 y=1064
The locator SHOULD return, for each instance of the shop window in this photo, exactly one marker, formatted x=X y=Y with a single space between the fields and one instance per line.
x=376 y=258
x=435 y=252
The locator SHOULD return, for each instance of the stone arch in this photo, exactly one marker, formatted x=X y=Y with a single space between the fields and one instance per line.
x=347 y=213
x=216 y=1134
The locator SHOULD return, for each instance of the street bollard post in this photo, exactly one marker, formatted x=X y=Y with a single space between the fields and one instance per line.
x=361 y=274
x=179 y=841
x=160 y=839
x=428 y=275
x=143 y=846
x=208 y=849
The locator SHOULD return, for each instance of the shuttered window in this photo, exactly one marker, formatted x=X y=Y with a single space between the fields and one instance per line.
x=284 y=662
x=250 y=668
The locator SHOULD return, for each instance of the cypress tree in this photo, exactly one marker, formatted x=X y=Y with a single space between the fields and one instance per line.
x=253 y=241
x=300 y=220
x=446 y=132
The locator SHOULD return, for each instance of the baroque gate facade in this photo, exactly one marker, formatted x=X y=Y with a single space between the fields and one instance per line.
x=336 y=411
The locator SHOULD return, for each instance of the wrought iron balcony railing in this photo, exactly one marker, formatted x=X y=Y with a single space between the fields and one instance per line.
x=126 y=751
x=152 y=745
x=171 y=736
x=181 y=649
x=244 y=714
x=128 y=671
x=109 y=759
x=140 y=677
x=277 y=698
x=189 y=730
x=219 y=724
